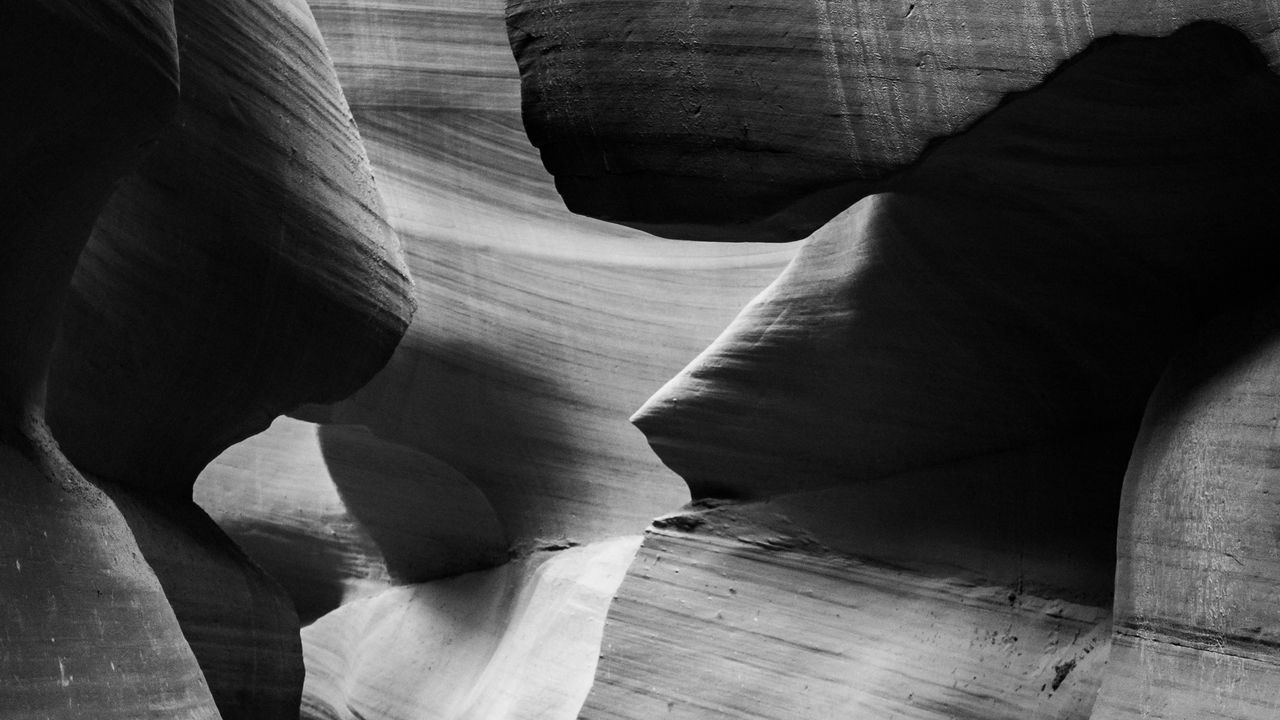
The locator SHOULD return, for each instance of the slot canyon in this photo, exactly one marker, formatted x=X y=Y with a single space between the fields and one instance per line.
x=556 y=359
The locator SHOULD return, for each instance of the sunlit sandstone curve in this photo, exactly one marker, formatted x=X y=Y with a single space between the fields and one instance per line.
x=498 y=430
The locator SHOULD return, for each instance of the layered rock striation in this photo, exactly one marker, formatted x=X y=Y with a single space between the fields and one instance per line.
x=944 y=387
x=1196 y=626
x=719 y=120
x=193 y=244
x=496 y=439
x=1025 y=282
x=906 y=454
x=90 y=88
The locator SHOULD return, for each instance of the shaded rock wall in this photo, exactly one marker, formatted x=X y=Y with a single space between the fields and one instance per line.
x=240 y=625
x=1196 y=623
x=235 y=263
x=713 y=119
x=905 y=455
x=546 y=330
x=520 y=640
x=541 y=333
x=996 y=319
x=1025 y=282
x=87 y=628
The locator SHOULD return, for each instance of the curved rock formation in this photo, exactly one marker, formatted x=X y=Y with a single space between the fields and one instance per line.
x=89 y=88
x=242 y=268
x=499 y=428
x=335 y=514
x=277 y=244
x=520 y=640
x=996 y=319
x=905 y=455
x=506 y=381
x=239 y=624
x=86 y=629
x=1026 y=282
x=1197 y=628
x=714 y=120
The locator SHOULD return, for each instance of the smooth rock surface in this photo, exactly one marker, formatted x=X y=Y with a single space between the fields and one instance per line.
x=518 y=641
x=335 y=515
x=1024 y=285
x=713 y=119
x=947 y=379
x=239 y=622
x=88 y=88
x=767 y=626
x=507 y=380
x=1197 y=614
x=86 y=630
x=541 y=332
x=546 y=329
x=245 y=268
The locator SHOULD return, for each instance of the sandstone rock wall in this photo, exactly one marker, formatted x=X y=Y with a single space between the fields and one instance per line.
x=235 y=264
x=499 y=430
x=906 y=456
x=715 y=119
x=1196 y=622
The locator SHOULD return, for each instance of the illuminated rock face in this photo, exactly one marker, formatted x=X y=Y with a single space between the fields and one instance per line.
x=179 y=267
x=86 y=629
x=1196 y=623
x=499 y=429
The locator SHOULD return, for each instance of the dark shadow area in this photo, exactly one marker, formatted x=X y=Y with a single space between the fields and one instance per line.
x=1008 y=303
x=303 y=567
x=235 y=274
x=427 y=519
x=489 y=436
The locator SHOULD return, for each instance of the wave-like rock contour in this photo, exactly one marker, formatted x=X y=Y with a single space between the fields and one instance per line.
x=718 y=120
x=191 y=182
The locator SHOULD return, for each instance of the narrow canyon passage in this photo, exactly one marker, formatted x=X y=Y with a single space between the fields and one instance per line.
x=972 y=416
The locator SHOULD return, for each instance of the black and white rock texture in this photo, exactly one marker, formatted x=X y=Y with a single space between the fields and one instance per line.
x=315 y=394
x=192 y=245
x=721 y=120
